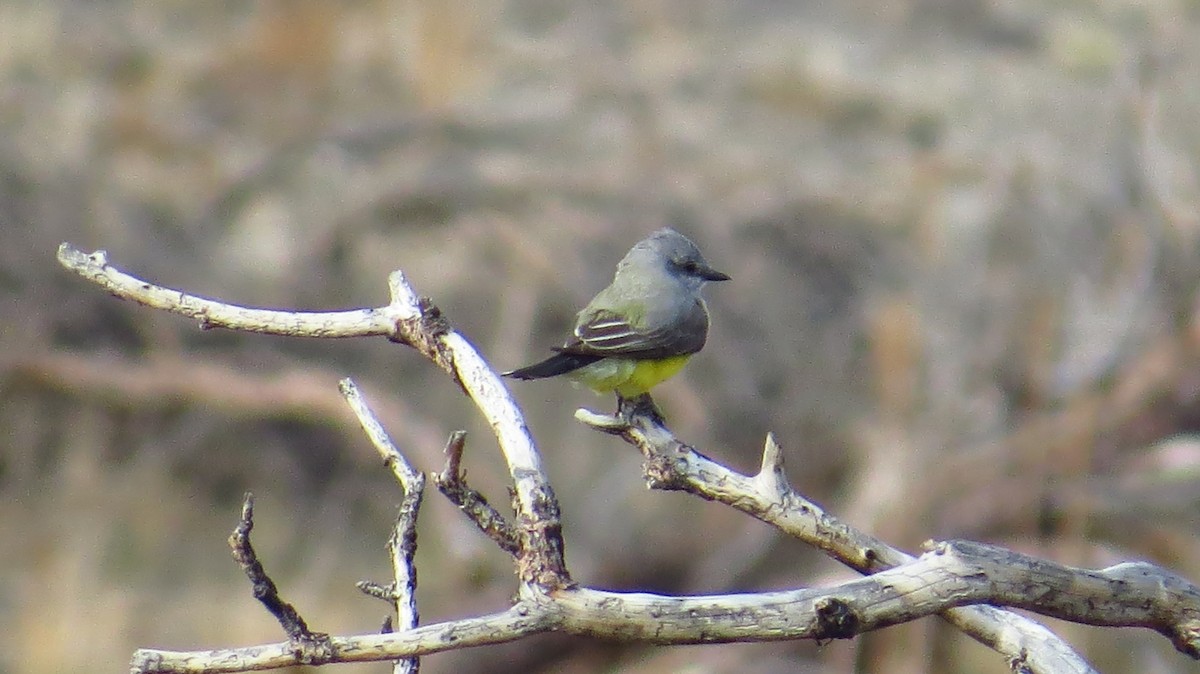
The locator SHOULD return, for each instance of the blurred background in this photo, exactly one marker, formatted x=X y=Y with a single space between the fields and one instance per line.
x=962 y=236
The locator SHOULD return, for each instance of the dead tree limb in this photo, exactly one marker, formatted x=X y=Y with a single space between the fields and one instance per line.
x=401 y=593
x=940 y=582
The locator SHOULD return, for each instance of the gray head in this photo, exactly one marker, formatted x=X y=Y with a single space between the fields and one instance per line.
x=674 y=254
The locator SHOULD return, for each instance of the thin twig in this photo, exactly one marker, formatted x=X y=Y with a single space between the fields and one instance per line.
x=402 y=544
x=452 y=482
x=309 y=647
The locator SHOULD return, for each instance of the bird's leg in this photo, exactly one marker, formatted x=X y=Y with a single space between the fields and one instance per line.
x=641 y=405
x=624 y=408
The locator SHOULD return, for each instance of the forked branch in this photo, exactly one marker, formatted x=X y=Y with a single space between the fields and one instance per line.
x=952 y=579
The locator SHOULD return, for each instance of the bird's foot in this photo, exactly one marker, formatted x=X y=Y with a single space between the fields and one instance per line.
x=642 y=405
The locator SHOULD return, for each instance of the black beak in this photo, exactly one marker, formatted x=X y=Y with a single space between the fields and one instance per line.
x=710 y=274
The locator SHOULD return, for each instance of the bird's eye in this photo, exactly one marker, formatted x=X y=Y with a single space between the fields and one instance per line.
x=689 y=266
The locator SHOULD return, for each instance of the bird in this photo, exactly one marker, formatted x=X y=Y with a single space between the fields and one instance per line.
x=642 y=328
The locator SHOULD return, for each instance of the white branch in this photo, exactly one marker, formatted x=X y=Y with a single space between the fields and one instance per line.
x=212 y=314
x=407 y=319
x=497 y=628
x=402 y=544
x=950 y=575
x=673 y=465
x=952 y=580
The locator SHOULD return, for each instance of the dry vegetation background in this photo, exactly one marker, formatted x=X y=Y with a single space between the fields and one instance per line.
x=963 y=237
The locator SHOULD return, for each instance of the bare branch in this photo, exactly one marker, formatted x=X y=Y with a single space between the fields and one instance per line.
x=673 y=465
x=955 y=573
x=950 y=575
x=498 y=628
x=452 y=482
x=943 y=581
x=308 y=647
x=402 y=544
x=409 y=320
x=212 y=314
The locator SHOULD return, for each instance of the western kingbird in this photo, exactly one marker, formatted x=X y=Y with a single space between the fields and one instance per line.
x=643 y=327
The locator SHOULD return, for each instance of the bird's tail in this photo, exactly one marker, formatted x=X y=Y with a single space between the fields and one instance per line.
x=559 y=363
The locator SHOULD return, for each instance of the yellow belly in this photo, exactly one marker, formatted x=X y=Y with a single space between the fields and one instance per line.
x=627 y=377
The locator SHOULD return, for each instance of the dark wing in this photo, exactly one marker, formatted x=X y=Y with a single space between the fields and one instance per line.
x=606 y=334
